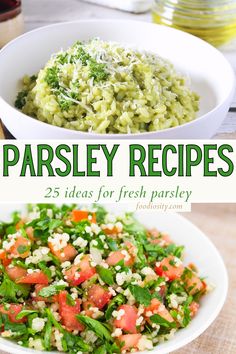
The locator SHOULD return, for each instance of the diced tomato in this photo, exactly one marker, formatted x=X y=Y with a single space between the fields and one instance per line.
x=110 y=231
x=127 y=321
x=81 y=272
x=156 y=307
x=68 y=313
x=129 y=341
x=116 y=256
x=30 y=233
x=98 y=296
x=168 y=268
x=65 y=254
x=194 y=307
x=15 y=272
x=162 y=290
x=157 y=237
x=86 y=308
x=37 y=289
x=79 y=215
x=12 y=312
x=4 y=259
x=20 y=224
x=21 y=247
x=33 y=278
x=194 y=284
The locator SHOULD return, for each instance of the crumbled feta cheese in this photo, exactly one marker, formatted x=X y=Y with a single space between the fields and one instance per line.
x=7 y=334
x=117 y=332
x=144 y=343
x=118 y=314
x=175 y=300
x=11 y=239
x=78 y=258
x=126 y=254
x=149 y=313
x=58 y=337
x=38 y=324
x=59 y=241
x=94 y=243
x=36 y=343
x=88 y=229
x=148 y=271
x=95 y=228
x=119 y=226
x=80 y=242
x=66 y=264
x=178 y=262
x=123 y=277
x=129 y=296
x=139 y=321
x=61 y=282
x=112 y=291
x=38 y=255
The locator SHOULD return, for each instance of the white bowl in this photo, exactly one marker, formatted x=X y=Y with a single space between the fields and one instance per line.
x=199 y=250
x=211 y=75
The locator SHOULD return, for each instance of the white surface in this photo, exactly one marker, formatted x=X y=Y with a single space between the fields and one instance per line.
x=136 y=6
x=43 y=12
x=199 y=250
x=203 y=64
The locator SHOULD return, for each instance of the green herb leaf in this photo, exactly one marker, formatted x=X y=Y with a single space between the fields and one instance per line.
x=69 y=300
x=22 y=249
x=51 y=290
x=115 y=302
x=162 y=321
x=48 y=335
x=97 y=71
x=141 y=295
x=76 y=343
x=51 y=77
x=10 y=290
x=187 y=312
x=21 y=99
x=97 y=327
x=106 y=275
x=100 y=350
x=24 y=313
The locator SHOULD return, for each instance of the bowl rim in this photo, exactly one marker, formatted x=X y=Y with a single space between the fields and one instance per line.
x=181 y=343
x=227 y=94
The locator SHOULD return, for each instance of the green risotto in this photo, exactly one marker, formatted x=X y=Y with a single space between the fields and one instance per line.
x=87 y=281
x=103 y=87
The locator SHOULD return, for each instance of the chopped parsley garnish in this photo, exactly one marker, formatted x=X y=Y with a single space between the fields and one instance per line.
x=97 y=327
x=10 y=291
x=141 y=295
x=21 y=99
x=157 y=319
x=52 y=78
x=98 y=71
x=106 y=275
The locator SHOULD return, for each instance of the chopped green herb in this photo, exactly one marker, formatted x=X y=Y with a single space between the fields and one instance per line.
x=141 y=295
x=97 y=327
x=21 y=99
x=24 y=313
x=51 y=290
x=52 y=78
x=106 y=275
x=157 y=319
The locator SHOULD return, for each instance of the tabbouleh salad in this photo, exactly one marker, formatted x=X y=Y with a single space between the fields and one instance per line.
x=84 y=281
x=103 y=87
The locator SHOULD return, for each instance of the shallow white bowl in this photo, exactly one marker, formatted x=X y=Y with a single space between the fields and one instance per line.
x=199 y=250
x=211 y=75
